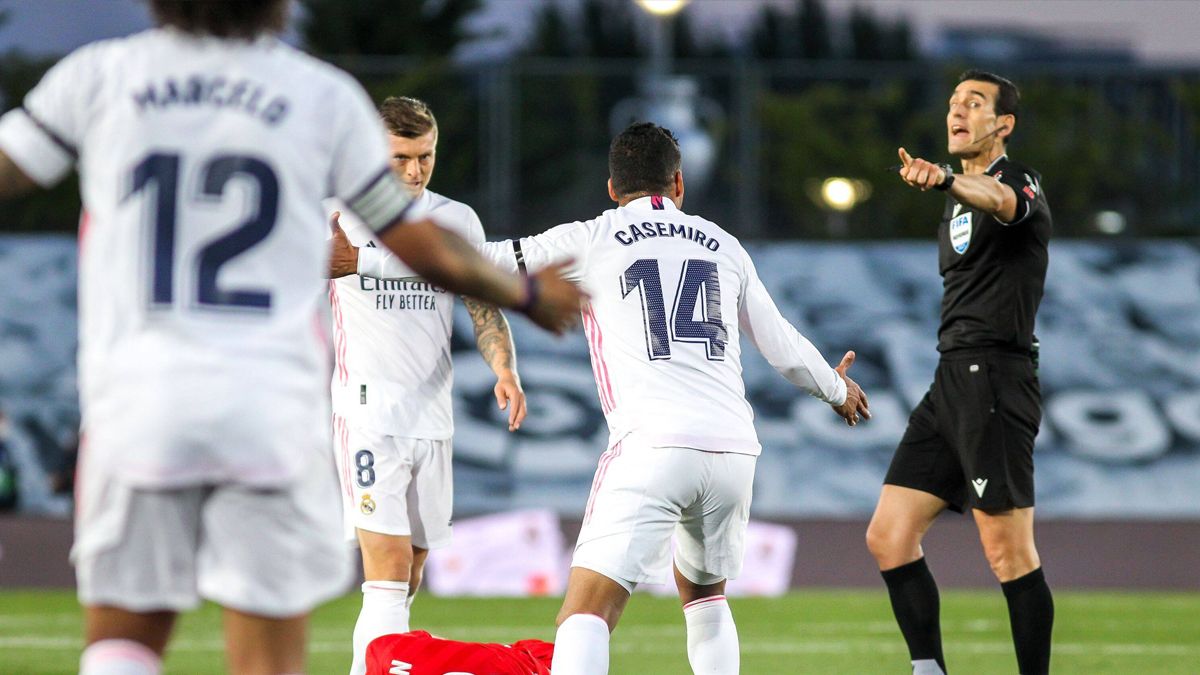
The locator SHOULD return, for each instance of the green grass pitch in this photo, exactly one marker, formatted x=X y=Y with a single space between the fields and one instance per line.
x=826 y=631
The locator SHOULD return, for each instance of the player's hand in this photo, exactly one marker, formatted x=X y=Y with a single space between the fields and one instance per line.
x=920 y=173
x=558 y=301
x=510 y=397
x=856 y=398
x=343 y=257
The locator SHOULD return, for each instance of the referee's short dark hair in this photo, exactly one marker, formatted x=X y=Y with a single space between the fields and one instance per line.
x=1009 y=98
x=643 y=158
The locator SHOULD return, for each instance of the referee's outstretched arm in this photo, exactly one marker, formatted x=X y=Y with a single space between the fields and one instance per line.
x=977 y=191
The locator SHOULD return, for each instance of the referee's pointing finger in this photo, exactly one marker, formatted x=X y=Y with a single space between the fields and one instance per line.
x=905 y=157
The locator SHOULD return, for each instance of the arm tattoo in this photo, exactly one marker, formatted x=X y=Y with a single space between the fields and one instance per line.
x=492 y=335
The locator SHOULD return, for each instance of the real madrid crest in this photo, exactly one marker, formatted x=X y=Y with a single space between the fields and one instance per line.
x=367 y=506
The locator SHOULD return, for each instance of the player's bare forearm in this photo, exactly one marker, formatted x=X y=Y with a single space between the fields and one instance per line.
x=13 y=181
x=447 y=260
x=980 y=191
x=493 y=337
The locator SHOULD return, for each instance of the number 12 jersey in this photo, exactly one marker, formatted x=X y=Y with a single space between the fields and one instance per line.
x=203 y=352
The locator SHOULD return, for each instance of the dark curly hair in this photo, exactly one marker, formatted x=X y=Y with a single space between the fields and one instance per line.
x=243 y=19
x=643 y=158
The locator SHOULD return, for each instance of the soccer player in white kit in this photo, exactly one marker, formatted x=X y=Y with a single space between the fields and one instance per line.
x=204 y=148
x=671 y=294
x=392 y=381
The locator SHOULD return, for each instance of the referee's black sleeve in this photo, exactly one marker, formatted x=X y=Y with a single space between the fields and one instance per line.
x=1027 y=186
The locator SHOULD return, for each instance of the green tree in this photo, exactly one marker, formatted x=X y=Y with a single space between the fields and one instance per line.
x=812 y=26
x=552 y=33
x=830 y=130
x=424 y=33
x=609 y=29
x=427 y=28
x=771 y=37
x=866 y=36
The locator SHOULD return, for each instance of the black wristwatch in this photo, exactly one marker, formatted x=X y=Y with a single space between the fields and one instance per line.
x=948 y=180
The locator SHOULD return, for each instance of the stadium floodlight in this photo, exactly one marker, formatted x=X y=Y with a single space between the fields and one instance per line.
x=840 y=194
x=1109 y=222
x=663 y=7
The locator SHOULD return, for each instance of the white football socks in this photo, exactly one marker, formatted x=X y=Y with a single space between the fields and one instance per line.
x=119 y=657
x=927 y=667
x=581 y=646
x=384 y=611
x=712 y=639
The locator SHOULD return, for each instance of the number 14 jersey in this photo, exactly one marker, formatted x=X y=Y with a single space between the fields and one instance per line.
x=671 y=295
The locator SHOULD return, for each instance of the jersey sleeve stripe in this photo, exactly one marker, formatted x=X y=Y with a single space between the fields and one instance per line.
x=520 y=256
x=55 y=138
x=368 y=185
x=382 y=203
x=400 y=218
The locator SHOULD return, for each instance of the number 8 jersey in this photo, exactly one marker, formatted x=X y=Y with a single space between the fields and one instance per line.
x=671 y=295
x=203 y=252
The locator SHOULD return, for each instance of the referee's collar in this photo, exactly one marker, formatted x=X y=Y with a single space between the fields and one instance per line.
x=996 y=161
x=652 y=202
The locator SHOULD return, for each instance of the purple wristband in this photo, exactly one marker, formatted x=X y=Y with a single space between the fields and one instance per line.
x=532 y=293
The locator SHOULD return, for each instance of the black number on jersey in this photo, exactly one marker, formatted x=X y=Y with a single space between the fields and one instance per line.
x=161 y=171
x=364 y=461
x=696 y=276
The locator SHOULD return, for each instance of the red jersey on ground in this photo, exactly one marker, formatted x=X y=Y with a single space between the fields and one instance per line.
x=419 y=653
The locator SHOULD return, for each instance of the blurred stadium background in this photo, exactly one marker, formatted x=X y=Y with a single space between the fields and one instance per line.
x=788 y=112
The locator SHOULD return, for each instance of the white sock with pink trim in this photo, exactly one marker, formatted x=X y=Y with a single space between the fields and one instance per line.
x=119 y=657
x=384 y=611
x=581 y=646
x=712 y=639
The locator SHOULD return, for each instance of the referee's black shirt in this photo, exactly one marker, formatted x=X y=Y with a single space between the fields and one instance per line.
x=994 y=272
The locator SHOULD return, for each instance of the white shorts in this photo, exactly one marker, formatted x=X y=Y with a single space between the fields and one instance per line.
x=641 y=495
x=274 y=552
x=395 y=485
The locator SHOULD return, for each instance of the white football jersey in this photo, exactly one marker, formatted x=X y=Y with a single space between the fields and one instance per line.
x=393 y=372
x=671 y=294
x=203 y=348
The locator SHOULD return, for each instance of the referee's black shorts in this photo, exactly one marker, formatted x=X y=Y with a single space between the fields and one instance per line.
x=970 y=440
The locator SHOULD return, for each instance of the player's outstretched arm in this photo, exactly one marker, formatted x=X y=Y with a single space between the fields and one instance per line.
x=976 y=191
x=13 y=181
x=495 y=343
x=445 y=259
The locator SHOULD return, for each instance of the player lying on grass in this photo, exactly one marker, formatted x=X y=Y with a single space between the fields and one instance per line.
x=419 y=653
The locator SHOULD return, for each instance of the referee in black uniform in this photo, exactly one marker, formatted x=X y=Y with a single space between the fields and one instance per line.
x=969 y=442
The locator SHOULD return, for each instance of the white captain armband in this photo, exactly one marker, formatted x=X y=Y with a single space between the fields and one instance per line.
x=519 y=256
x=382 y=203
x=38 y=151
